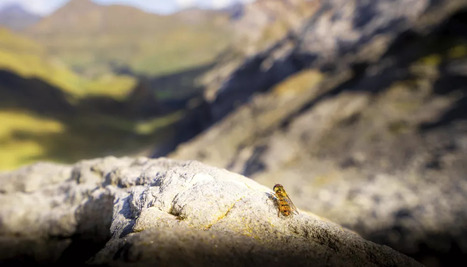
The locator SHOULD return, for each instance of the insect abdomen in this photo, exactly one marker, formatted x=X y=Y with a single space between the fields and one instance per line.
x=284 y=207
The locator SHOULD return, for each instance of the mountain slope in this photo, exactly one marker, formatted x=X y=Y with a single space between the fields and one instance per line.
x=15 y=17
x=96 y=39
x=27 y=58
x=258 y=27
x=42 y=108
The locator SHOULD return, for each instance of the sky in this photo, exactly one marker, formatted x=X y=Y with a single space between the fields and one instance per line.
x=44 y=7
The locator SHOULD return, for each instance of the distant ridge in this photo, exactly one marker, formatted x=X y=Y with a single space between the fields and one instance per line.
x=15 y=17
x=87 y=17
x=95 y=39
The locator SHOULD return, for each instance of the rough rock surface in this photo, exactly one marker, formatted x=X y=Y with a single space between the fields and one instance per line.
x=171 y=213
x=337 y=35
x=259 y=27
x=377 y=137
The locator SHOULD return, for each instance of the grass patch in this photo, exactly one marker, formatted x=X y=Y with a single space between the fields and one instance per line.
x=298 y=83
x=16 y=150
x=147 y=127
x=26 y=137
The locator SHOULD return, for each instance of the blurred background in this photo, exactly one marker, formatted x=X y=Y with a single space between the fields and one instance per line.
x=359 y=108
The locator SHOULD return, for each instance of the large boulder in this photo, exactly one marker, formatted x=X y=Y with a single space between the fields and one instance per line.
x=158 y=211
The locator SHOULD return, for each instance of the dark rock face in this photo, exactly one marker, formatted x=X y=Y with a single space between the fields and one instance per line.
x=377 y=143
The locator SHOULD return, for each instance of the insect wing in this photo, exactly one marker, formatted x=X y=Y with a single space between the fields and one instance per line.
x=293 y=209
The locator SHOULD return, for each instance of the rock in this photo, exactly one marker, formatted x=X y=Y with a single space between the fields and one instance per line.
x=331 y=35
x=158 y=211
x=259 y=34
x=380 y=145
x=265 y=22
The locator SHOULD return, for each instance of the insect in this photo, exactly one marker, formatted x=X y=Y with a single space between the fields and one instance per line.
x=286 y=206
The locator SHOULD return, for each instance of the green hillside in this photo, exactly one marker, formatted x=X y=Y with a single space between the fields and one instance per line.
x=27 y=136
x=73 y=62
x=29 y=59
x=95 y=39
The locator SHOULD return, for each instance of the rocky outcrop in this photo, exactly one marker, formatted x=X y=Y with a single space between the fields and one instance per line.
x=371 y=125
x=338 y=35
x=257 y=27
x=165 y=212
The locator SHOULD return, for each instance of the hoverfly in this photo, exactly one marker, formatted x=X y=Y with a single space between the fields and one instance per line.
x=286 y=206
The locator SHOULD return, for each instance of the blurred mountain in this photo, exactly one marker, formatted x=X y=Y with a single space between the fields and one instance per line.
x=264 y=22
x=95 y=39
x=49 y=112
x=257 y=27
x=81 y=71
x=28 y=59
x=15 y=17
x=360 y=110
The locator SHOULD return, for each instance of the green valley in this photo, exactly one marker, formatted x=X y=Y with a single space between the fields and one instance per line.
x=91 y=80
